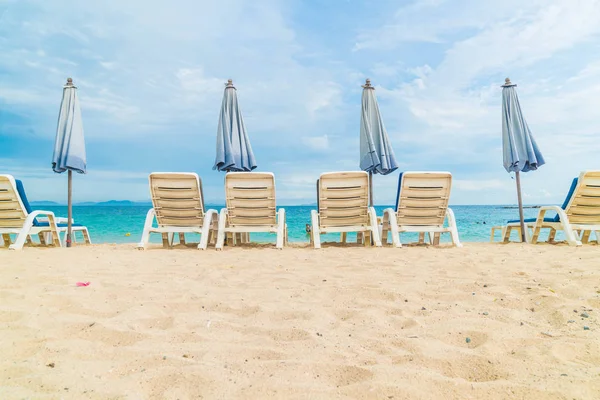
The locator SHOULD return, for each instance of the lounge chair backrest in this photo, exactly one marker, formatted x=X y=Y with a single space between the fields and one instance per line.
x=177 y=198
x=250 y=198
x=343 y=199
x=584 y=205
x=423 y=198
x=12 y=210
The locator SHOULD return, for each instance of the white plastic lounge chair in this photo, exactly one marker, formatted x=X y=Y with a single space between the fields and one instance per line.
x=250 y=207
x=16 y=217
x=343 y=202
x=178 y=207
x=578 y=216
x=421 y=206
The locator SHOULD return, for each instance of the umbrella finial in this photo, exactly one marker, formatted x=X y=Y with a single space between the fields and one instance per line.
x=69 y=82
x=229 y=83
x=508 y=83
x=367 y=84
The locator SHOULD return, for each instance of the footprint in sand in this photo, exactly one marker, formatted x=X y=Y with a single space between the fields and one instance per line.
x=291 y=315
x=343 y=375
x=288 y=335
x=162 y=323
x=177 y=386
x=459 y=339
x=98 y=332
x=10 y=316
x=471 y=368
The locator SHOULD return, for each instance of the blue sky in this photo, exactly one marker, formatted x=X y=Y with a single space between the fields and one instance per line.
x=151 y=79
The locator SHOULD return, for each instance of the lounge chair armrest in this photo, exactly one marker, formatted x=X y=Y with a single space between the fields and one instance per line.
x=375 y=227
x=58 y=220
x=542 y=212
x=50 y=218
x=551 y=208
x=389 y=212
x=214 y=216
x=37 y=213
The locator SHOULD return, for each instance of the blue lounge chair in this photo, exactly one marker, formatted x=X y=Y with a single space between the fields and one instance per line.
x=578 y=216
x=17 y=217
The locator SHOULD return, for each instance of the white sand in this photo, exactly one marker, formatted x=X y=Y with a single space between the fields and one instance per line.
x=337 y=323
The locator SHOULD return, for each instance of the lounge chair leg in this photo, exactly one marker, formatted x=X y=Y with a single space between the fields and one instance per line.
x=221 y=231
x=182 y=238
x=165 y=240
x=436 y=238
x=360 y=237
x=493 y=233
x=41 y=236
x=207 y=232
x=6 y=239
x=506 y=236
x=280 y=228
x=384 y=233
x=389 y=219
x=147 y=226
x=453 y=228
x=368 y=239
x=315 y=231
x=343 y=237
x=421 y=237
x=585 y=238
x=569 y=234
x=86 y=236
x=374 y=236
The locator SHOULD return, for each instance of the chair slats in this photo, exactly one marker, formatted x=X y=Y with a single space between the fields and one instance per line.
x=584 y=207
x=177 y=199
x=250 y=199
x=12 y=214
x=343 y=199
x=424 y=198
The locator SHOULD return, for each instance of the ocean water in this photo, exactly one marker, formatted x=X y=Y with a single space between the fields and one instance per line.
x=124 y=224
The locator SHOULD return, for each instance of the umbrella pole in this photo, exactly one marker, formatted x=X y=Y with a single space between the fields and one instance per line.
x=370 y=189
x=518 y=179
x=70 y=206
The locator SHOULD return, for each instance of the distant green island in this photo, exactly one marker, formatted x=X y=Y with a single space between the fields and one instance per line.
x=109 y=203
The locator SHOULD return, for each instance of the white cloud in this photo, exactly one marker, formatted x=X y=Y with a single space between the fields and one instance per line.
x=477 y=185
x=319 y=143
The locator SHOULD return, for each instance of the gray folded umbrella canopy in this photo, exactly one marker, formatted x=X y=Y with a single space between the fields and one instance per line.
x=520 y=151
x=69 y=147
x=376 y=153
x=234 y=152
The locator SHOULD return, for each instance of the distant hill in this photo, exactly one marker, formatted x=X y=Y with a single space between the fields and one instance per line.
x=116 y=203
x=45 y=203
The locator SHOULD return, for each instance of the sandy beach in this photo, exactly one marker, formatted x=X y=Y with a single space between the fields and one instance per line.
x=483 y=321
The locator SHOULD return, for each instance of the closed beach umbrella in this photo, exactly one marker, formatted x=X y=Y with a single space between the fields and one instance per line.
x=69 y=147
x=376 y=154
x=234 y=152
x=521 y=153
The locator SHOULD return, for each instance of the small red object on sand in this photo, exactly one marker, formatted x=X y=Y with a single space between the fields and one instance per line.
x=82 y=284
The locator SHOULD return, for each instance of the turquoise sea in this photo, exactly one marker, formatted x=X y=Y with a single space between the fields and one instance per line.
x=112 y=224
